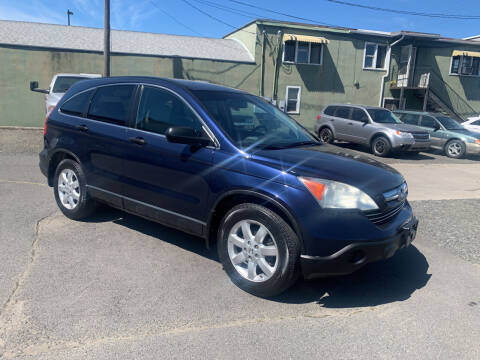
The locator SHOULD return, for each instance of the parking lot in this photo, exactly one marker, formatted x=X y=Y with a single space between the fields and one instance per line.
x=118 y=286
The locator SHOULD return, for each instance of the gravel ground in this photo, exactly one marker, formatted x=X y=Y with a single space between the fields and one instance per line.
x=462 y=236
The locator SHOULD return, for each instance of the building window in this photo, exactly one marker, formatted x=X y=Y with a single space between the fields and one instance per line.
x=293 y=99
x=375 y=55
x=301 y=52
x=465 y=65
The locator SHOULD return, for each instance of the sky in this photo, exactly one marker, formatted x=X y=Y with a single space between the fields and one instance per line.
x=210 y=18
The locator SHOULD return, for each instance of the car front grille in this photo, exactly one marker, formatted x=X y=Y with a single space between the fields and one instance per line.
x=385 y=216
x=421 y=136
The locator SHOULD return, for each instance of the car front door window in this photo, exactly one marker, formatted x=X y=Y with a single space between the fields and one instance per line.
x=160 y=109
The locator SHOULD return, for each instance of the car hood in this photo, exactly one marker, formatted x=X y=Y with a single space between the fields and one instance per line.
x=465 y=132
x=332 y=163
x=404 y=127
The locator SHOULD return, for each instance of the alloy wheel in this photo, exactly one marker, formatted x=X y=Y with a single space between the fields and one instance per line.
x=454 y=149
x=252 y=250
x=68 y=189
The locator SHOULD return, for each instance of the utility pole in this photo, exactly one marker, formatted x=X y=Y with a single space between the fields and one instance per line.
x=106 y=39
x=68 y=15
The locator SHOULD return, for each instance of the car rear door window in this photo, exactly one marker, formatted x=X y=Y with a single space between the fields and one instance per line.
x=160 y=109
x=411 y=119
x=330 y=110
x=343 y=112
x=359 y=115
x=111 y=104
x=428 y=121
x=77 y=105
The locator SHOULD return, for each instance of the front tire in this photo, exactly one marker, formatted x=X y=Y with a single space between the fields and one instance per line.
x=381 y=146
x=258 y=249
x=455 y=149
x=71 y=192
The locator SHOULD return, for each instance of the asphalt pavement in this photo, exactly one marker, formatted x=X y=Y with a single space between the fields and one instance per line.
x=117 y=286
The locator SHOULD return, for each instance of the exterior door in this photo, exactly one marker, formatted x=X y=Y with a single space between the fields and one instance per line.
x=359 y=125
x=439 y=137
x=341 y=120
x=104 y=140
x=405 y=68
x=163 y=180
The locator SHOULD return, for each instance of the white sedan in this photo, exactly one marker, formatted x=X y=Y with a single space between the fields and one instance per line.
x=472 y=124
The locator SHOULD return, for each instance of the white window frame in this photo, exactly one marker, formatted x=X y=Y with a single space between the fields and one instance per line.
x=299 y=96
x=374 y=63
x=460 y=65
x=309 y=53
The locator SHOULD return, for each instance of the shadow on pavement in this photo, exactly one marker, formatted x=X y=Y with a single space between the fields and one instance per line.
x=395 y=155
x=394 y=279
x=387 y=281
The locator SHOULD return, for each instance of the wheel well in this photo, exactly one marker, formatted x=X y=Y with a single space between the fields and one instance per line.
x=377 y=135
x=54 y=161
x=235 y=199
x=323 y=127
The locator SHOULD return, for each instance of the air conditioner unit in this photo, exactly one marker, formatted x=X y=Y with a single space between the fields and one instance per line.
x=467 y=70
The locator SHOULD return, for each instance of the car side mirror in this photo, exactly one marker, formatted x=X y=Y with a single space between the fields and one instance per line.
x=34 y=87
x=436 y=127
x=186 y=135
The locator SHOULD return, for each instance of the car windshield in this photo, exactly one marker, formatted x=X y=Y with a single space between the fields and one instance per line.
x=383 y=116
x=449 y=123
x=63 y=83
x=250 y=122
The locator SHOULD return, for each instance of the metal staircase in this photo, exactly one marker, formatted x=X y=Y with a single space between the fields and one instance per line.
x=437 y=95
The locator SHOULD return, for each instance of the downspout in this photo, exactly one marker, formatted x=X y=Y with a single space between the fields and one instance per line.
x=262 y=65
x=389 y=56
x=275 y=75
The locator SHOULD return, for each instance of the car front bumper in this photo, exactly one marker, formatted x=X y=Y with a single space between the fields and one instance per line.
x=355 y=255
x=473 y=148
x=410 y=144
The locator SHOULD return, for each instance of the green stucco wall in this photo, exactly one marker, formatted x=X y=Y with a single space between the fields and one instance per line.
x=21 y=107
x=332 y=82
x=455 y=90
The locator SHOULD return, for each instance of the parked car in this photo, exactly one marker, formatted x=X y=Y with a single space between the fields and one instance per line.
x=376 y=127
x=447 y=134
x=59 y=86
x=223 y=164
x=472 y=124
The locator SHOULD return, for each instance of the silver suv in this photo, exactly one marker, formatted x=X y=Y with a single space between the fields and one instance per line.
x=376 y=127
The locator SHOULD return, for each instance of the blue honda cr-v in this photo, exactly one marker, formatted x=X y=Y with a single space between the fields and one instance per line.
x=227 y=166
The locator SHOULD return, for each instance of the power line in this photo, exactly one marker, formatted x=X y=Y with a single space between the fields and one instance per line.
x=406 y=12
x=228 y=9
x=214 y=17
x=175 y=19
x=281 y=13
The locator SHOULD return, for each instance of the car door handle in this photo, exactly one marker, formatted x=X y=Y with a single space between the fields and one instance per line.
x=138 y=140
x=350 y=123
x=82 y=127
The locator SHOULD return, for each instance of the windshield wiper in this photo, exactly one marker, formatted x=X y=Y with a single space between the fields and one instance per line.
x=288 y=146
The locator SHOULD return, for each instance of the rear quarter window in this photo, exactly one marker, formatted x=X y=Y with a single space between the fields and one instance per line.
x=330 y=110
x=77 y=104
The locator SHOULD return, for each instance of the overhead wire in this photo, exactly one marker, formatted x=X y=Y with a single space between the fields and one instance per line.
x=407 y=12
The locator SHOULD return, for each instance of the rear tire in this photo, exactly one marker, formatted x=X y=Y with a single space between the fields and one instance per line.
x=326 y=135
x=70 y=190
x=455 y=149
x=381 y=146
x=258 y=249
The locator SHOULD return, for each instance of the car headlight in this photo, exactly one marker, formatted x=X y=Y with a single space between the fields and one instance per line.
x=403 y=134
x=337 y=195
